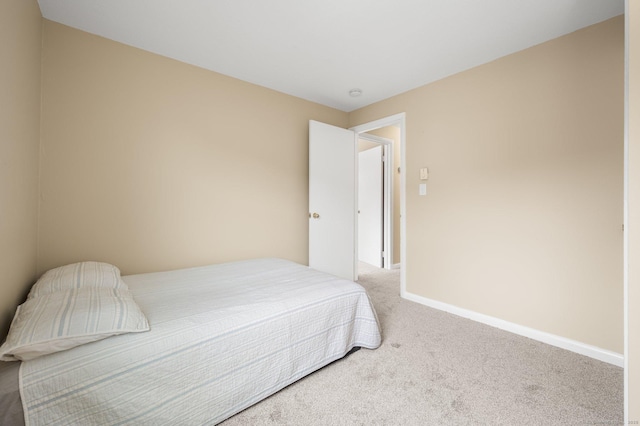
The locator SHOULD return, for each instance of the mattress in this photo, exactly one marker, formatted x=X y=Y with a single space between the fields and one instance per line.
x=222 y=338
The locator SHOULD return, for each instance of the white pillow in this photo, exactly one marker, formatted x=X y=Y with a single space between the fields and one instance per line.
x=78 y=275
x=64 y=319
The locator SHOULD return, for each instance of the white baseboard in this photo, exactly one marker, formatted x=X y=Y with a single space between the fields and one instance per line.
x=541 y=336
x=395 y=266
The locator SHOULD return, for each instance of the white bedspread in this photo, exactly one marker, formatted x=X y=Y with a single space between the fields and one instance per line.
x=222 y=338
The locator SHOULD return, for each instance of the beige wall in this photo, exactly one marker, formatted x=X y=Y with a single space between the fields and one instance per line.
x=152 y=164
x=523 y=215
x=633 y=194
x=20 y=35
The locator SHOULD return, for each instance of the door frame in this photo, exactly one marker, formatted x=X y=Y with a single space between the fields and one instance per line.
x=387 y=196
x=400 y=121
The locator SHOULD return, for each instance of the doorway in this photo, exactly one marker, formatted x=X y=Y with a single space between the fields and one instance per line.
x=390 y=133
x=370 y=204
x=375 y=200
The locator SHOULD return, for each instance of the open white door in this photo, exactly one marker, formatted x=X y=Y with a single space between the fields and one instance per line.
x=332 y=200
x=370 y=205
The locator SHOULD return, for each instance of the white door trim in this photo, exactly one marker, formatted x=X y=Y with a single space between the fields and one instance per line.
x=400 y=121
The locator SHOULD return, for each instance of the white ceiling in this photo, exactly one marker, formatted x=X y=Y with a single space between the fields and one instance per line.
x=320 y=49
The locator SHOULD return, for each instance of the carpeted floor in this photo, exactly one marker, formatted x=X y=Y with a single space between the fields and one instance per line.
x=434 y=368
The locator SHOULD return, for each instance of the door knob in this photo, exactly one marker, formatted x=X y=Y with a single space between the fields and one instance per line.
x=315 y=216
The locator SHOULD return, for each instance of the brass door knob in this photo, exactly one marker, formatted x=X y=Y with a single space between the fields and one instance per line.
x=316 y=216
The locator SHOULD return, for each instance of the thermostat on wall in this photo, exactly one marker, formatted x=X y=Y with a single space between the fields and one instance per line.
x=424 y=173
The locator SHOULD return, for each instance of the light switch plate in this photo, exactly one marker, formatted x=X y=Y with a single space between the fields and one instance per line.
x=423 y=189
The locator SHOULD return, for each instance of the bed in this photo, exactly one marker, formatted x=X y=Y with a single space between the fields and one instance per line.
x=218 y=339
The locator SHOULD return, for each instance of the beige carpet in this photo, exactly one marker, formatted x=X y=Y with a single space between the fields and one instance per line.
x=435 y=368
